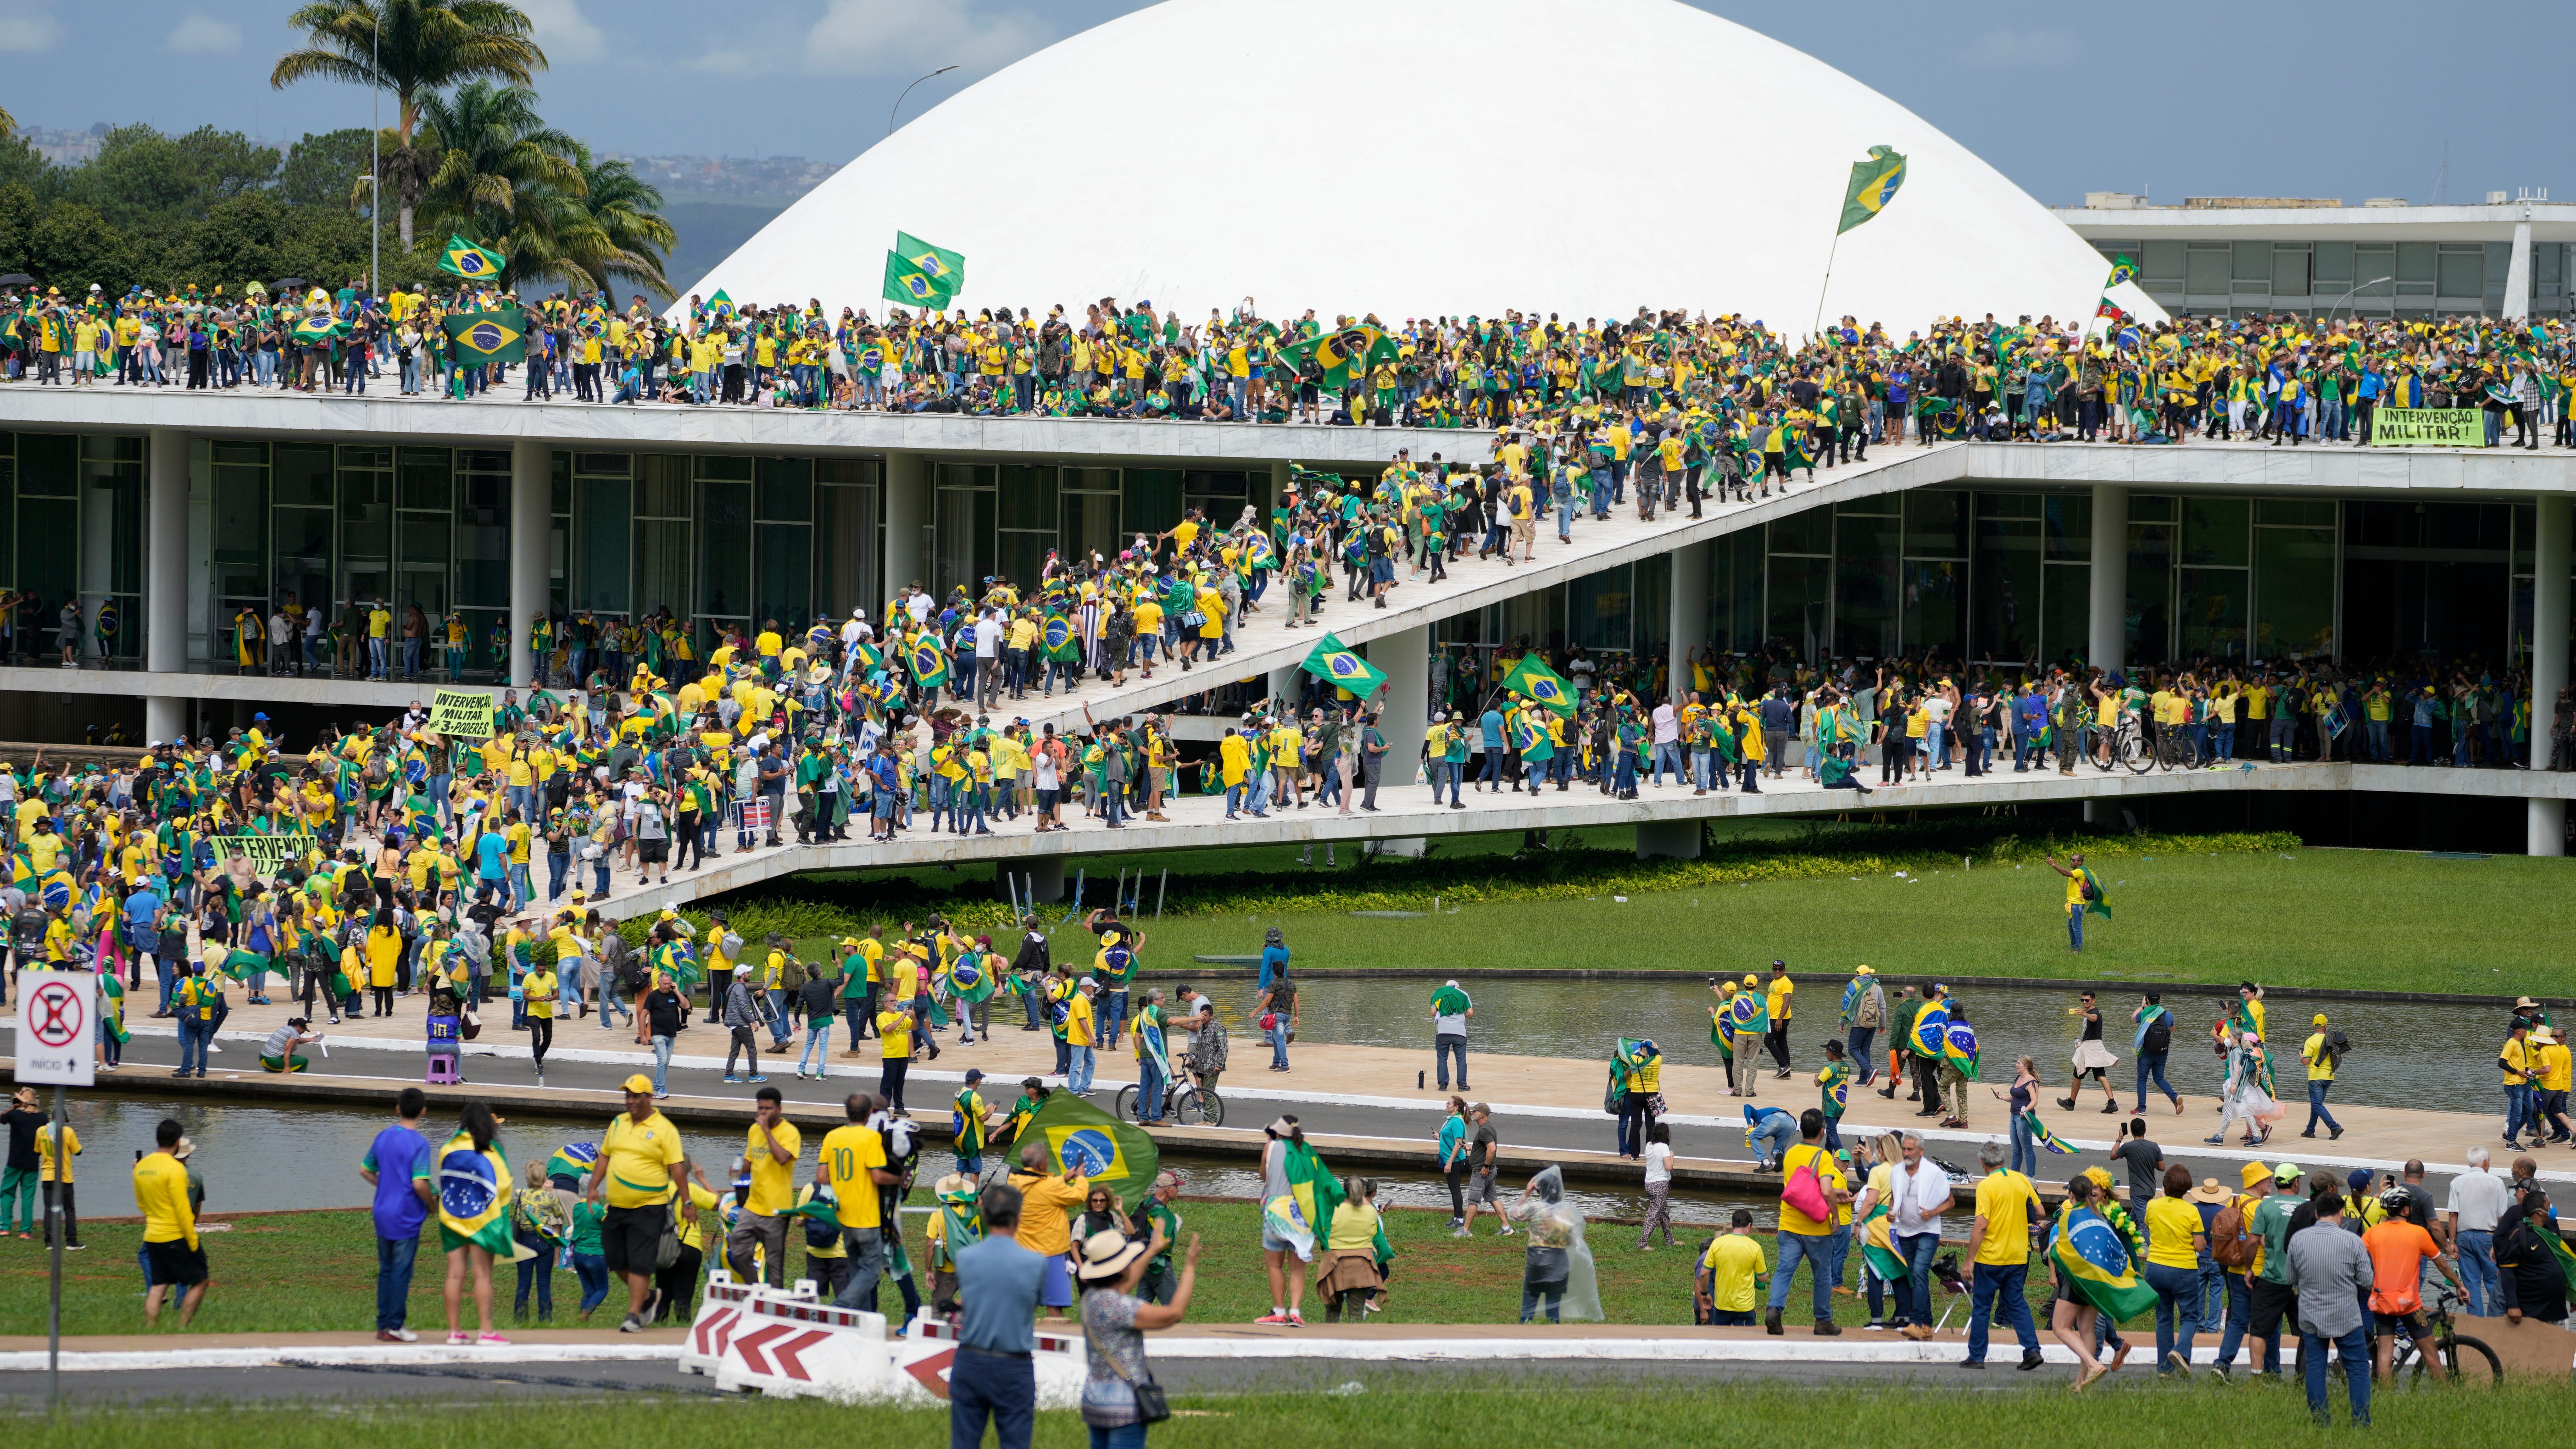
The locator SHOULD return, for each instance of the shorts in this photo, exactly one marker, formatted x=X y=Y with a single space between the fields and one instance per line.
x=881 y=806
x=2406 y=1323
x=1525 y=528
x=2269 y=1303
x=1480 y=1188
x=2553 y=1104
x=630 y=1238
x=1056 y=1289
x=176 y=1262
x=1730 y=1318
x=653 y=851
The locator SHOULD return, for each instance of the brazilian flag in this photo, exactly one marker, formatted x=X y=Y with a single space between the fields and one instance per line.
x=474 y=1199
x=1080 y=1136
x=499 y=335
x=2092 y=1256
x=928 y=662
x=1333 y=359
x=464 y=259
x=908 y=284
x=2124 y=268
x=1532 y=680
x=1063 y=645
x=1931 y=1034
x=1336 y=664
x=866 y=658
x=1959 y=1048
x=1873 y=186
x=944 y=268
x=319 y=327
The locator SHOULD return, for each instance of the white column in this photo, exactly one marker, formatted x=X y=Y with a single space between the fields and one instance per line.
x=2106 y=639
x=1284 y=684
x=2546 y=829
x=1406 y=712
x=165 y=576
x=907 y=509
x=1688 y=626
x=2517 y=275
x=532 y=527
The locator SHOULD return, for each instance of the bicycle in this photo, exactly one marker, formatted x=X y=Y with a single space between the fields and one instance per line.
x=2129 y=746
x=2406 y=1364
x=1185 y=1104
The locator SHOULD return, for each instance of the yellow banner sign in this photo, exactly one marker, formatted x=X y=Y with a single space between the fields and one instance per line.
x=2428 y=428
x=461 y=714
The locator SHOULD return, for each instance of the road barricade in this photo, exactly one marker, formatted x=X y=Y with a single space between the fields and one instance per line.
x=800 y=1348
x=720 y=1310
x=923 y=1358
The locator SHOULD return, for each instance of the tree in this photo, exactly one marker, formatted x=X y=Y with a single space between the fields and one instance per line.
x=611 y=230
x=499 y=174
x=322 y=170
x=71 y=246
x=237 y=243
x=414 y=49
x=143 y=179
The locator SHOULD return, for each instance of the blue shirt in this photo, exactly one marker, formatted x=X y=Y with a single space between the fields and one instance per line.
x=998 y=1282
x=1272 y=958
x=1493 y=726
x=393 y=1157
x=494 y=852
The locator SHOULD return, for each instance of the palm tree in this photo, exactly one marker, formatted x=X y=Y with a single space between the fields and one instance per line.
x=500 y=175
x=626 y=212
x=415 y=49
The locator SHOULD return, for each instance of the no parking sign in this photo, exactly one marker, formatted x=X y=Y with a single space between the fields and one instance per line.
x=57 y=1020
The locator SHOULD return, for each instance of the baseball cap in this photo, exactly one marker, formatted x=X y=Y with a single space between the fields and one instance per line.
x=639 y=1084
x=2287 y=1173
x=2318 y=1020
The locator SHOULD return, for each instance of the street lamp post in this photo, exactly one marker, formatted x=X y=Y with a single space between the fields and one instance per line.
x=907 y=90
x=375 y=156
x=2348 y=295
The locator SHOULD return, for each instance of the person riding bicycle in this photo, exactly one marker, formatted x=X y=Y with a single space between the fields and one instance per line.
x=2398 y=1245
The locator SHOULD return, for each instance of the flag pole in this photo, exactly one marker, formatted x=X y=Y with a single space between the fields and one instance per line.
x=1826 y=285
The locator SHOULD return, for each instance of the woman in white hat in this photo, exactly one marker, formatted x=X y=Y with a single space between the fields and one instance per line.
x=1119 y=1395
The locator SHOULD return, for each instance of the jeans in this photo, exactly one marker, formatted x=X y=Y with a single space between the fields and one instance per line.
x=1149 y=1090
x=2478 y=1270
x=986 y=1386
x=1278 y=1035
x=2354 y=1349
x=1125 y=1436
x=194 y=1035
x=2075 y=928
x=2517 y=1102
x=1777 y=1135
x=1914 y=1294
x=781 y=1029
x=1536 y=1296
x=1824 y=1255
x=1668 y=755
x=1442 y=1049
x=2025 y=1147
x=592 y=1270
x=1077 y=1077
x=557 y=862
x=866 y=1247
x=661 y=1064
x=2317 y=1108
x=1989 y=1282
x=393 y=1279
x=818 y=1046
x=2177 y=1297
x=2240 y=1317
x=1858 y=1046
x=2152 y=1064
x=541 y=1271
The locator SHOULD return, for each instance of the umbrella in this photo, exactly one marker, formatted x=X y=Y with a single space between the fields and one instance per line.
x=17 y=279
x=289 y=284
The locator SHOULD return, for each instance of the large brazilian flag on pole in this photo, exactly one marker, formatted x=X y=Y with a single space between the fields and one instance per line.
x=1532 y=680
x=1873 y=186
x=1334 y=663
x=1081 y=1137
x=498 y=335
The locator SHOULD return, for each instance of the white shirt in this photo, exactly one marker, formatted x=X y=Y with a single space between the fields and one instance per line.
x=1667 y=729
x=1659 y=1163
x=1914 y=1195
x=2479 y=1199
x=988 y=637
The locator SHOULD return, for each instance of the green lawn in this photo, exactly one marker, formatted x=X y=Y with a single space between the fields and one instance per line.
x=1975 y=899
x=1408 y=1412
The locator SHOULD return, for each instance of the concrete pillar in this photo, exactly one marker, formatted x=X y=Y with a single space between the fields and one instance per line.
x=532 y=528
x=1039 y=880
x=1285 y=685
x=165 y=577
x=1673 y=839
x=2517 y=275
x=1688 y=626
x=1281 y=470
x=2106 y=641
x=2546 y=830
x=907 y=513
x=1406 y=712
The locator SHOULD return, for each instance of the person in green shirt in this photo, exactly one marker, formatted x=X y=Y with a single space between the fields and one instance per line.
x=1833 y=1085
x=2272 y=1297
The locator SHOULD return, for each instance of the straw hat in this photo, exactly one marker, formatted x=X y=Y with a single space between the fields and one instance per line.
x=2209 y=1191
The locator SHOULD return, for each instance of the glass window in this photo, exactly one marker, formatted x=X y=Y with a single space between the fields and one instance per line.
x=2251 y=261
x=2213 y=610
x=2294 y=581
x=1090 y=522
x=2161 y=261
x=1935 y=606
x=1745 y=578
x=2207 y=269
x=1152 y=501
x=2374 y=266
x=240 y=514
x=964 y=543
x=45 y=567
x=1801 y=604
x=1810 y=532
x=2151 y=508
x=483 y=535
x=2213 y=530
x=845 y=533
x=224 y=450
x=1028 y=502
x=662 y=565
x=604 y=465
x=1865 y=581
x=785 y=570
x=2304 y=512
x=2148 y=615
x=602 y=532
x=665 y=490
x=2007 y=588
x=1936 y=523
x=301 y=474
x=2065 y=611
x=2415 y=261
x=2463 y=274
x=427 y=478
x=425 y=539
x=724 y=467
x=2067 y=525
x=2289 y=270
x=2333 y=263
x=303 y=552
x=786 y=493
x=2008 y=505
x=724 y=549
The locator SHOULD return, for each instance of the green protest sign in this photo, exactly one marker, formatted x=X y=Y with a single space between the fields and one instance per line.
x=2428 y=428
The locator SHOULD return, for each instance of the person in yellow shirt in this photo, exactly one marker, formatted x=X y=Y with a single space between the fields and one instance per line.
x=538 y=991
x=170 y=1244
x=56 y=1145
x=1999 y=1248
x=852 y=1163
x=641 y=1164
x=1732 y=1273
x=1803 y=1236
x=894 y=1047
x=1780 y=990
x=1044 y=1228
x=769 y=1151
x=2322 y=1057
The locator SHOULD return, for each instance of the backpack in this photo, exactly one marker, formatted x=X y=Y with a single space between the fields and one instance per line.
x=2159 y=1037
x=2229 y=1243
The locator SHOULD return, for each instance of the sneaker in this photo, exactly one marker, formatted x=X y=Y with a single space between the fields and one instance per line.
x=2031 y=1361
x=396 y=1335
x=632 y=1324
x=1875 y=1325
x=490 y=1340
x=215 y=1047
x=1296 y=1318
x=1274 y=1318
x=652 y=1305
x=459 y=1340
x=1507 y=1230
x=2181 y=1365
x=732 y=1081
x=1457 y=1232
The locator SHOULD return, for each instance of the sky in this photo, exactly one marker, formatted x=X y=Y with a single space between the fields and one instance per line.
x=2189 y=97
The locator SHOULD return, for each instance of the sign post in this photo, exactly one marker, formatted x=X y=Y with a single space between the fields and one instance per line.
x=57 y=1018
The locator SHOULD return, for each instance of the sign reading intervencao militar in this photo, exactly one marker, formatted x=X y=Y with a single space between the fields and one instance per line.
x=2428 y=428
x=461 y=714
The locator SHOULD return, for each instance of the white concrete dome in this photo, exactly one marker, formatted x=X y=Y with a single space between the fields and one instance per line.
x=1462 y=156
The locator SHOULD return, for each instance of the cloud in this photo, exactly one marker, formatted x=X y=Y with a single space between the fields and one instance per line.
x=203 y=35
x=880 y=37
x=563 y=31
x=2009 y=48
x=28 y=32
x=730 y=62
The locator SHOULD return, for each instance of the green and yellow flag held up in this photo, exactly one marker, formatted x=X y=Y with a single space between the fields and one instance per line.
x=1873 y=186
x=499 y=335
x=464 y=259
x=1333 y=662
